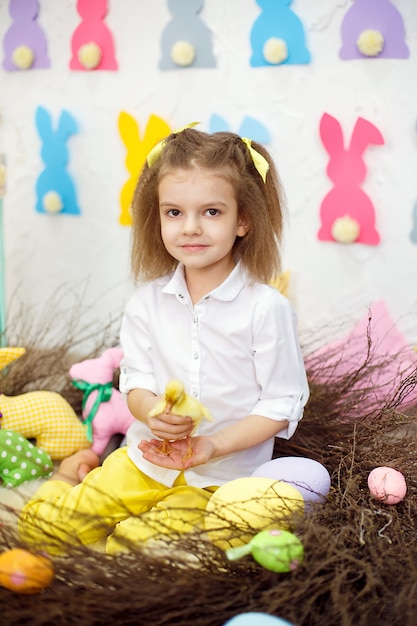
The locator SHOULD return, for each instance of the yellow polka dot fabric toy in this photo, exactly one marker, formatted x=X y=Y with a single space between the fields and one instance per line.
x=44 y=416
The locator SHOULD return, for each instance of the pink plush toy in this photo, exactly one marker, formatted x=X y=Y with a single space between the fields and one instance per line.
x=105 y=412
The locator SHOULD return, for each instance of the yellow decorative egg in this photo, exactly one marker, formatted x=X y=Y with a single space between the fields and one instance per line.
x=242 y=507
x=25 y=572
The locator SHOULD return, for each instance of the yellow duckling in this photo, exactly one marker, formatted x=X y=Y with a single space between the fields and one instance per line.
x=176 y=401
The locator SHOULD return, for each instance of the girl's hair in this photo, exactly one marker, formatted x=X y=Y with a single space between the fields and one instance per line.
x=261 y=203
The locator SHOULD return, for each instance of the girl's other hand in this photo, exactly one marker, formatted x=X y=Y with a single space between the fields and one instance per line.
x=182 y=453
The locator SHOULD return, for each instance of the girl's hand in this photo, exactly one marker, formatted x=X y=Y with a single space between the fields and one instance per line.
x=73 y=469
x=169 y=426
x=178 y=455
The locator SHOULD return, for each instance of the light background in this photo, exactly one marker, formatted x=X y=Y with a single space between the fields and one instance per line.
x=89 y=254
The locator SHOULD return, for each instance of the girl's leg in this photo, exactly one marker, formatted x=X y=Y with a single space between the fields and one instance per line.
x=180 y=510
x=61 y=514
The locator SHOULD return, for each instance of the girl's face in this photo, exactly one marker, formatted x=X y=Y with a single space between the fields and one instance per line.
x=199 y=219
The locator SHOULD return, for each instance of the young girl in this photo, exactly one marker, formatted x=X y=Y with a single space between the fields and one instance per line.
x=207 y=223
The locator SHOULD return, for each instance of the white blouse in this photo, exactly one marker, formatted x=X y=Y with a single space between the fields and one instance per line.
x=236 y=350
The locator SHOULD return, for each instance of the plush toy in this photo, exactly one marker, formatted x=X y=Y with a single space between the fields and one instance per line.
x=20 y=460
x=44 y=416
x=8 y=355
x=105 y=412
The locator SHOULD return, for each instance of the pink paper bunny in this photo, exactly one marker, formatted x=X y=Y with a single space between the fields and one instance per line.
x=93 y=29
x=105 y=411
x=347 y=169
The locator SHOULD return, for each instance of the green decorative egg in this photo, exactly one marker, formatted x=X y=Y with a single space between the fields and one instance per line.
x=276 y=550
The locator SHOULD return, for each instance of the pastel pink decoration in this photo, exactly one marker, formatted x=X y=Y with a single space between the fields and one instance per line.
x=391 y=361
x=387 y=485
x=377 y=15
x=25 y=31
x=113 y=416
x=347 y=169
x=93 y=30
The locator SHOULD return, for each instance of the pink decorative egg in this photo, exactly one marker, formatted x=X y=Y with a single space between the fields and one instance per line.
x=387 y=485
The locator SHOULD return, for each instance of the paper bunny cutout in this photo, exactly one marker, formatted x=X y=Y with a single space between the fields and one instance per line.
x=376 y=15
x=93 y=30
x=250 y=127
x=347 y=170
x=186 y=40
x=55 y=189
x=278 y=21
x=137 y=151
x=25 y=31
x=104 y=409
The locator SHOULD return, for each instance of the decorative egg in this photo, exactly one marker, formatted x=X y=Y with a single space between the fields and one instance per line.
x=244 y=506
x=310 y=477
x=25 y=572
x=257 y=619
x=387 y=485
x=277 y=550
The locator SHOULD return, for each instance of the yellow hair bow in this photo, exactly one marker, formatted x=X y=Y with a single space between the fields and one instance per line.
x=155 y=153
x=259 y=161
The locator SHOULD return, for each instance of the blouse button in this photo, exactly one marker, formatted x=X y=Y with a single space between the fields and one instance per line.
x=196 y=355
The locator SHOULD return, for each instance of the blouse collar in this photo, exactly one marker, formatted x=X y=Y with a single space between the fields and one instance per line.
x=226 y=291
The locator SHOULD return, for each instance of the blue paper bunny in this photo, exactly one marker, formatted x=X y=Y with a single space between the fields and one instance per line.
x=278 y=21
x=55 y=189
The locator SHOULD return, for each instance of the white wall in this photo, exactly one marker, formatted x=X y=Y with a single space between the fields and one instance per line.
x=328 y=280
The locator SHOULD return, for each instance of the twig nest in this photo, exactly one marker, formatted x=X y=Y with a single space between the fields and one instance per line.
x=23 y=57
x=345 y=229
x=89 y=55
x=25 y=572
x=52 y=202
x=370 y=43
x=275 y=51
x=387 y=485
x=183 y=53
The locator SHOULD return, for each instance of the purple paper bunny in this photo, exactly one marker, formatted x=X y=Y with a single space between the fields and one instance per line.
x=25 y=31
x=377 y=15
